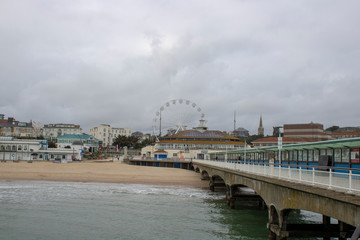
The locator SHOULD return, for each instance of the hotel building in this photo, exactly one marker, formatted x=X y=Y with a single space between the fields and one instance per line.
x=108 y=134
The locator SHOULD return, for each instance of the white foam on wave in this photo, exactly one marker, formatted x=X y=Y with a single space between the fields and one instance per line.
x=55 y=191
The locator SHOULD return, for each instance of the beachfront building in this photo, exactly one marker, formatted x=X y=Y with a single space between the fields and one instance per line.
x=20 y=149
x=12 y=149
x=52 y=131
x=108 y=134
x=12 y=128
x=190 y=144
x=78 y=141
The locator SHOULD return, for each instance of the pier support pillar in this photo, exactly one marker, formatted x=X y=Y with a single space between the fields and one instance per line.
x=278 y=224
x=273 y=218
x=212 y=185
x=283 y=218
x=230 y=196
x=272 y=235
x=326 y=223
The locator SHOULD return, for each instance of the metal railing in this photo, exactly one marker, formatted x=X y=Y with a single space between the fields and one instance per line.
x=346 y=182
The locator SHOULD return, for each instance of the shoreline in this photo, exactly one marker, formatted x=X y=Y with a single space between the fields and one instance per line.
x=100 y=171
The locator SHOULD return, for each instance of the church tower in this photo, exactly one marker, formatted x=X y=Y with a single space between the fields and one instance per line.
x=261 y=128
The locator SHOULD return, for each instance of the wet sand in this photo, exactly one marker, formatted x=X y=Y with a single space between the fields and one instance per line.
x=100 y=171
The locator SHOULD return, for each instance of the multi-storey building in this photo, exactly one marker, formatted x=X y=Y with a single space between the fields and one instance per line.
x=108 y=134
x=52 y=131
x=12 y=128
x=295 y=133
x=306 y=130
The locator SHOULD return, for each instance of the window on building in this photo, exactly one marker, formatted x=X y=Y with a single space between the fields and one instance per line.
x=323 y=152
x=300 y=157
x=305 y=155
x=316 y=155
x=330 y=152
x=337 y=155
x=311 y=155
x=345 y=155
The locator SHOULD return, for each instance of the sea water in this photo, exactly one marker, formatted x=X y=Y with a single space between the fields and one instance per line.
x=66 y=210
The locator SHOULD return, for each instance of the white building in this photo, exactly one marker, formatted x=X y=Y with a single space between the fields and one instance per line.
x=12 y=149
x=54 y=130
x=108 y=134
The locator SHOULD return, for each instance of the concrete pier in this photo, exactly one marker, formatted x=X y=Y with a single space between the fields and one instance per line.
x=282 y=197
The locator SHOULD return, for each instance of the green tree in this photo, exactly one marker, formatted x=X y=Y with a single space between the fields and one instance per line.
x=132 y=142
x=332 y=129
x=124 y=141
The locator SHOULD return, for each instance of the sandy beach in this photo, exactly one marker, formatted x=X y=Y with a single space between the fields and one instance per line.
x=96 y=171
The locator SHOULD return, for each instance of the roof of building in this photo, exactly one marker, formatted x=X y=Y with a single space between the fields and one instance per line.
x=189 y=141
x=345 y=133
x=303 y=126
x=76 y=136
x=284 y=140
x=61 y=125
x=209 y=135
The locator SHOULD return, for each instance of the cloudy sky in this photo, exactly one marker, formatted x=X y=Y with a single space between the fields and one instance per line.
x=90 y=62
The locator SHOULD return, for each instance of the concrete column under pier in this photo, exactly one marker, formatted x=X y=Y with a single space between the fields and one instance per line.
x=217 y=183
x=283 y=230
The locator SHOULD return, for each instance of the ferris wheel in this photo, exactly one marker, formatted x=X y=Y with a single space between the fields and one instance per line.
x=176 y=115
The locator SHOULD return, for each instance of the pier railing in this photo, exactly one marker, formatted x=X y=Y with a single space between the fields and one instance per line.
x=340 y=181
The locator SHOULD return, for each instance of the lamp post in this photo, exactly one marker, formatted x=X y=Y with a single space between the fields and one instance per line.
x=245 y=150
x=279 y=145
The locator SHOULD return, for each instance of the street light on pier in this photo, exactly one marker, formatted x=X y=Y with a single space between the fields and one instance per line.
x=279 y=144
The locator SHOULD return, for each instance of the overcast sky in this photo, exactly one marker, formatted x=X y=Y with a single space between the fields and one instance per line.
x=90 y=62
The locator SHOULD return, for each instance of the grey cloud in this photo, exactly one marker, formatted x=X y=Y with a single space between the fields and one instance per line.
x=118 y=62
